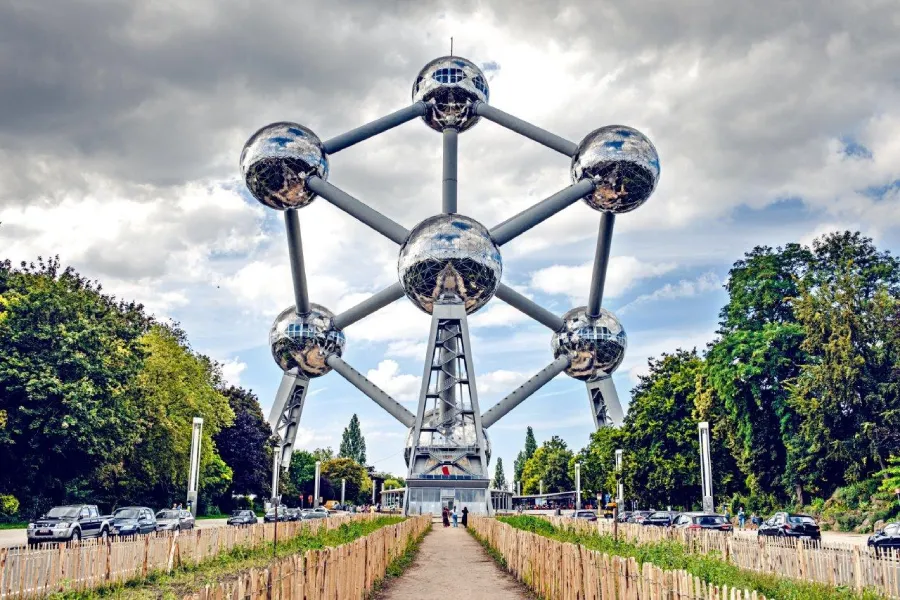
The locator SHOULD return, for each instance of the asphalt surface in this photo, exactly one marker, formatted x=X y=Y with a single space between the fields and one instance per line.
x=17 y=537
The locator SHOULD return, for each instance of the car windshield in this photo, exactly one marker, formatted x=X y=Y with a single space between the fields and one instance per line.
x=710 y=520
x=801 y=519
x=659 y=515
x=126 y=513
x=61 y=512
x=239 y=513
x=585 y=513
x=167 y=514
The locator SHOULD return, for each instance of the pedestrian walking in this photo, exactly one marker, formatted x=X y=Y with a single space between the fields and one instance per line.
x=742 y=517
x=465 y=518
x=455 y=518
x=445 y=517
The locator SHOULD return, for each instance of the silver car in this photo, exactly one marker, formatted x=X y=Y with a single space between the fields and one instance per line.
x=174 y=519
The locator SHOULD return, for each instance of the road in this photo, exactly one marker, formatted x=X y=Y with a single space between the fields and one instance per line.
x=17 y=537
x=828 y=537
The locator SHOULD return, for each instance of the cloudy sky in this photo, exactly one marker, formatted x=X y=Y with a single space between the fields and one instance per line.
x=121 y=124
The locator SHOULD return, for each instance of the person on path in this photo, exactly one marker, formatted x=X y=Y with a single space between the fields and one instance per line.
x=742 y=517
x=445 y=516
x=465 y=518
x=455 y=518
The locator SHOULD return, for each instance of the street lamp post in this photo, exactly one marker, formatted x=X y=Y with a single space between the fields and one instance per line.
x=194 y=472
x=577 y=486
x=343 y=489
x=316 y=492
x=706 y=467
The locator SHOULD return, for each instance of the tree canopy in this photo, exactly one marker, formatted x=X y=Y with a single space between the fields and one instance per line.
x=353 y=444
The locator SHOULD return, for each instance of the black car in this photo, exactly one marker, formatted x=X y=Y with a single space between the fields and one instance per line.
x=282 y=515
x=700 y=520
x=242 y=517
x=662 y=518
x=132 y=520
x=790 y=525
x=887 y=539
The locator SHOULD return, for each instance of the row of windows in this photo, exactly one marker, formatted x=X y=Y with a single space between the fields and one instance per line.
x=434 y=495
x=451 y=75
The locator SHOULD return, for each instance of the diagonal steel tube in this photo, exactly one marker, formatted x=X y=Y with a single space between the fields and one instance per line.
x=543 y=210
x=540 y=379
x=356 y=209
x=368 y=388
x=449 y=183
x=295 y=251
x=529 y=307
x=601 y=262
x=369 y=305
x=364 y=132
x=533 y=132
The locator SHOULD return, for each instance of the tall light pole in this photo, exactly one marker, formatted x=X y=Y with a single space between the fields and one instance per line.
x=620 y=487
x=194 y=469
x=577 y=486
x=318 y=475
x=343 y=488
x=706 y=468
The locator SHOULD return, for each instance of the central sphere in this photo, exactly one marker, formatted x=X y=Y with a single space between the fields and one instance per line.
x=450 y=87
x=595 y=346
x=276 y=162
x=304 y=342
x=449 y=259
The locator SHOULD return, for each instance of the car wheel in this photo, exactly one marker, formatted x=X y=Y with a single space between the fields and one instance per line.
x=76 y=536
x=104 y=535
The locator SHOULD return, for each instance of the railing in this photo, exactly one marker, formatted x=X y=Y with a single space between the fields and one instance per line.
x=557 y=570
x=340 y=573
x=28 y=572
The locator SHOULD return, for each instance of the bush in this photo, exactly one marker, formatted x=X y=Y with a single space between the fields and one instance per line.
x=9 y=508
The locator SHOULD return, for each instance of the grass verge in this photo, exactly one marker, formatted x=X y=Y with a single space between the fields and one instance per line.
x=399 y=565
x=21 y=525
x=190 y=578
x=711 y=568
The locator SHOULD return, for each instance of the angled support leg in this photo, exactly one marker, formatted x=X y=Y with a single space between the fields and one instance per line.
x=603 y=399
x=284 y=418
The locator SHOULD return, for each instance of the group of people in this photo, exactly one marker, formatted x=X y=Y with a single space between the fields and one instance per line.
x=447 y=514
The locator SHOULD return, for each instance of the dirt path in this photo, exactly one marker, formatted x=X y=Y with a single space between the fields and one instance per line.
x=451 y=564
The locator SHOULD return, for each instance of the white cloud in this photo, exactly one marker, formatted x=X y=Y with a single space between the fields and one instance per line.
x=685 y=288
x=499 y=383
x=407 y=349
x=402 y=387
x=232 y=369
x=622 y=273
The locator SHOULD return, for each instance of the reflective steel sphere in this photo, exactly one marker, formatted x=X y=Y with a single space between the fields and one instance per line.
x=460 y=434
x=450 y=86
x=596 y=346
x=276 y=161
x=449 y=259
x=305 y=341
x=623 y=164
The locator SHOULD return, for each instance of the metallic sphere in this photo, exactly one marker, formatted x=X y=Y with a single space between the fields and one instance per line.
x=458 y=434
x=595 y=346
x=450 y=86
x=305 y=341
x=623 y=164
x=276 y=161
x=449 y=259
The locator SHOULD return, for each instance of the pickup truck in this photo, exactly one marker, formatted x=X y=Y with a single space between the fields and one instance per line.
x=68 y=524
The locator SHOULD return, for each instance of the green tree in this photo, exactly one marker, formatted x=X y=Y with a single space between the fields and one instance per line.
x=499 y=482
x=68 y=357
x=550 y=464
x=344 y=468
x=530 y=443
x=518 y=466
x=598 y=461
x=661 y=450
x=323 y=454
x=245 y=445
x=353 y=444
x=299 y=480
x=524 y=455
x=392 y=484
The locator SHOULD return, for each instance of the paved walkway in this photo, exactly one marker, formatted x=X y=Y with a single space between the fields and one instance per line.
x=451 y=565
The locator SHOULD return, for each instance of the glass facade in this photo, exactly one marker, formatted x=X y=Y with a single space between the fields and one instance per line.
x=424 y=500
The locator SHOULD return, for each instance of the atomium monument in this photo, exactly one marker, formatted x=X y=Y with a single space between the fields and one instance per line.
x=449 y=266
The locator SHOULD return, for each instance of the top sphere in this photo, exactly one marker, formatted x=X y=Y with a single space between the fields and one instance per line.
x=304 y=342
x=276 y=161
x=450 y=86
x=622 y=163
x=449 y=258
x=596 y=346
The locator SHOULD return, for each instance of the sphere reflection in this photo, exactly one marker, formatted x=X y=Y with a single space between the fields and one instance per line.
x=305 y=341
x=595 y=346
x=449 y=259
x=450 y=86
x=276 y=161
x=622 y=163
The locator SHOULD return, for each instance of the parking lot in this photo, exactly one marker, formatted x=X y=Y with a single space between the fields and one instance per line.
x=17 y=537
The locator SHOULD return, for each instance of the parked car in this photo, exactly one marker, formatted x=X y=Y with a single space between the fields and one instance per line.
x=132 y=520
x=784 y=524
x=242 y=517
x=639 y=516
x=701 y=520
x=587 y=515
x=661 y=518
x=68 y=524
x=886 y=539
x=314 y=514
x=623 y=516
x=173 y=519
x=270 y=515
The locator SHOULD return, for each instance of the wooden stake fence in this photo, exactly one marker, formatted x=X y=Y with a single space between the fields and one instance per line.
x=26 y=572
x=340 y=573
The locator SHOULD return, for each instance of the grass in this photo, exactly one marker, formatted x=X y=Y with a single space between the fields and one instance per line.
x=20 y=525
x=190 y=578
x=399 y=565
x=709 y=567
